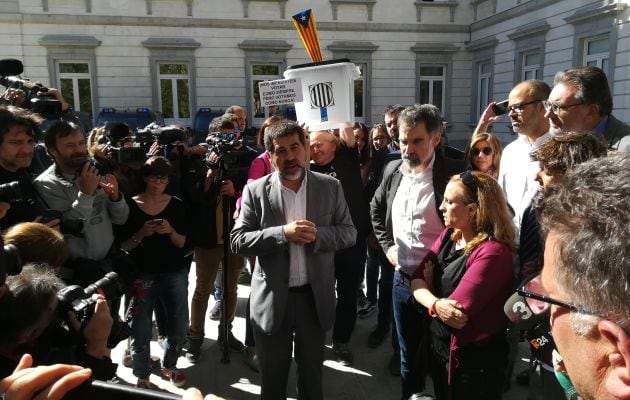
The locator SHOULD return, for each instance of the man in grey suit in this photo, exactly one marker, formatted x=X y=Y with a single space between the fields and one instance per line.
x=581 y=101
x=293 y=221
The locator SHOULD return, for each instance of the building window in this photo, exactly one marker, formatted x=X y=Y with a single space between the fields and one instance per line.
x=484 y=69
x=261 y=73
x=432 y=85
x=531 y=68
x=75 y=84
x=174 y=92
x=359 y=95
x=597 y=52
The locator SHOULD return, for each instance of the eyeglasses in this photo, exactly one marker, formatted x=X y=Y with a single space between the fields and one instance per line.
x=539 y=303
x=519 y=107
x=158 y=178
x=554 y=108
x=469 y=180
x=475 y=151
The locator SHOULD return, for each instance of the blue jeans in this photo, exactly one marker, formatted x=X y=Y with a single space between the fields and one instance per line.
x=172 y=289
x=408 y=326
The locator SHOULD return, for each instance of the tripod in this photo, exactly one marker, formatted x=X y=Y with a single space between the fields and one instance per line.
x=225 y=328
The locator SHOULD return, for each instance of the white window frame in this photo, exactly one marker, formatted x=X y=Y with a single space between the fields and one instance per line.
x=535 y=69
x=483 y=99
x=173 y=78
x=257 y=121
x=75 y=76
x=432 y=79
x=597 y=57
x=363 y=67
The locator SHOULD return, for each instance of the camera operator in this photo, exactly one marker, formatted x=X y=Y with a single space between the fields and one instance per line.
x=31 y=323
x=17 y=143
x=74 y=187
x=207 y=193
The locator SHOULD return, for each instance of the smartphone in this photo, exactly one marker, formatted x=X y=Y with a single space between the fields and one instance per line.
x=157 y=220
x=500 y=108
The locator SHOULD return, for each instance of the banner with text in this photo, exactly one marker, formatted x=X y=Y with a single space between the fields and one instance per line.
x=281 y=91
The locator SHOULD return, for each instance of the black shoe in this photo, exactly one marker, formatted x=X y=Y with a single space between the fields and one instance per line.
x=235 y=345
x=193 y=353
x=368 y=310
x=344 y=355
x=376 y=337
x=394 y=364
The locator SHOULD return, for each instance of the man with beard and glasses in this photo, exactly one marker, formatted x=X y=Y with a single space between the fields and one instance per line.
x=407 y=221
x=74 y=187
x=294 y=231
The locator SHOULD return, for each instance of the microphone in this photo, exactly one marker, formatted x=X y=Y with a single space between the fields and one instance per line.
x=10 y=67
x=520 y=313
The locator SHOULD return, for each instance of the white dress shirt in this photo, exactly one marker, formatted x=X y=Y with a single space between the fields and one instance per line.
x=294 y=208
x=517 y=174
x=415 y=222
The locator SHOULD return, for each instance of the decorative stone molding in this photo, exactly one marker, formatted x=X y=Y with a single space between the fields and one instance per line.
x=367 y=3
x=536 y=28
x=282 y=4
x=433 y=47
x=600 y=10
x=189 y=7
x=483 y=43
x=437 y=4
x=350 y=46
x=69 y=40
x=180 y=43
x=264 y=45
x=88 y=5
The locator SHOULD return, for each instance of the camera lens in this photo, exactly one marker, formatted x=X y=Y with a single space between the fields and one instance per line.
x=10 y=192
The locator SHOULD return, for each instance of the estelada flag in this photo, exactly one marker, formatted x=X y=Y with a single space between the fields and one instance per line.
x=305 y=24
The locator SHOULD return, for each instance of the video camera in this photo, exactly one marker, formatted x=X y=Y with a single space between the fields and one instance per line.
x=47 y=107
x=233 y=162
x=11 y=192
x=164 y=135
x=80 y=301
x=67 y=226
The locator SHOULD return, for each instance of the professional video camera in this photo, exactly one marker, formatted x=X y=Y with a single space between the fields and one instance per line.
x=47 y=107
x=11 y=192
x=80 y=301
x=164 y=135
x=67 y=226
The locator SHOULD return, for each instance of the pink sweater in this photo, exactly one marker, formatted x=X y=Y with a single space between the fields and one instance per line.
x=260 y=167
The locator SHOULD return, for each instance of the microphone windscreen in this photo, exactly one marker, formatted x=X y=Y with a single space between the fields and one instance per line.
x=10 y=67
x=520 y=313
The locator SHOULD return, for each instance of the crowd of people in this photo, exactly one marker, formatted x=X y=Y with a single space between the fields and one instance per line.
x=441 y=238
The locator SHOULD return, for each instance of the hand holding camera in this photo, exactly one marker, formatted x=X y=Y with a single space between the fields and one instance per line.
x=96 y=329
x=88 y=179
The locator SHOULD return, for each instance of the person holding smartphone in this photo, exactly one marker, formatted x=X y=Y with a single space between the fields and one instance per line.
x=155 y=236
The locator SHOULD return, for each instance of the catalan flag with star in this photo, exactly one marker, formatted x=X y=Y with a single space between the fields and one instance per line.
x=305 y=24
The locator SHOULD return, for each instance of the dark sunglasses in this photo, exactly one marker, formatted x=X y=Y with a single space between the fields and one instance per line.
x=540 y=303
x=485 y=150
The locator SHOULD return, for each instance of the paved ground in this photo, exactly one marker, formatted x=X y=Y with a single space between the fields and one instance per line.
x=368 y=379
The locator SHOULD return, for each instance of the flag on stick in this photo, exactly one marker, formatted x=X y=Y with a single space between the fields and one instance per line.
x=305 y=24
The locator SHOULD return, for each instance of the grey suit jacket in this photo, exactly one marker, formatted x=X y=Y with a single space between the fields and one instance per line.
x=617 y=135
x=258 y=232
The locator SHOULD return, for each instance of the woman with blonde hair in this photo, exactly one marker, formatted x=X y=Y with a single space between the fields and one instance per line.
x=464 y=282
x=484 y=154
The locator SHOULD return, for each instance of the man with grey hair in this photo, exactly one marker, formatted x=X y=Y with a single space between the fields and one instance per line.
x=586 y=275
x=241 y=116
x=581 y=101
x=293 y=231
x=407 y=221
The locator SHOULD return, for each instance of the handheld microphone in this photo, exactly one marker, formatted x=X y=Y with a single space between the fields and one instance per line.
x=10 y=67
x=520 y=313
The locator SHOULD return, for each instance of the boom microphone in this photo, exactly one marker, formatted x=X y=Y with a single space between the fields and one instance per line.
x=10 y=67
